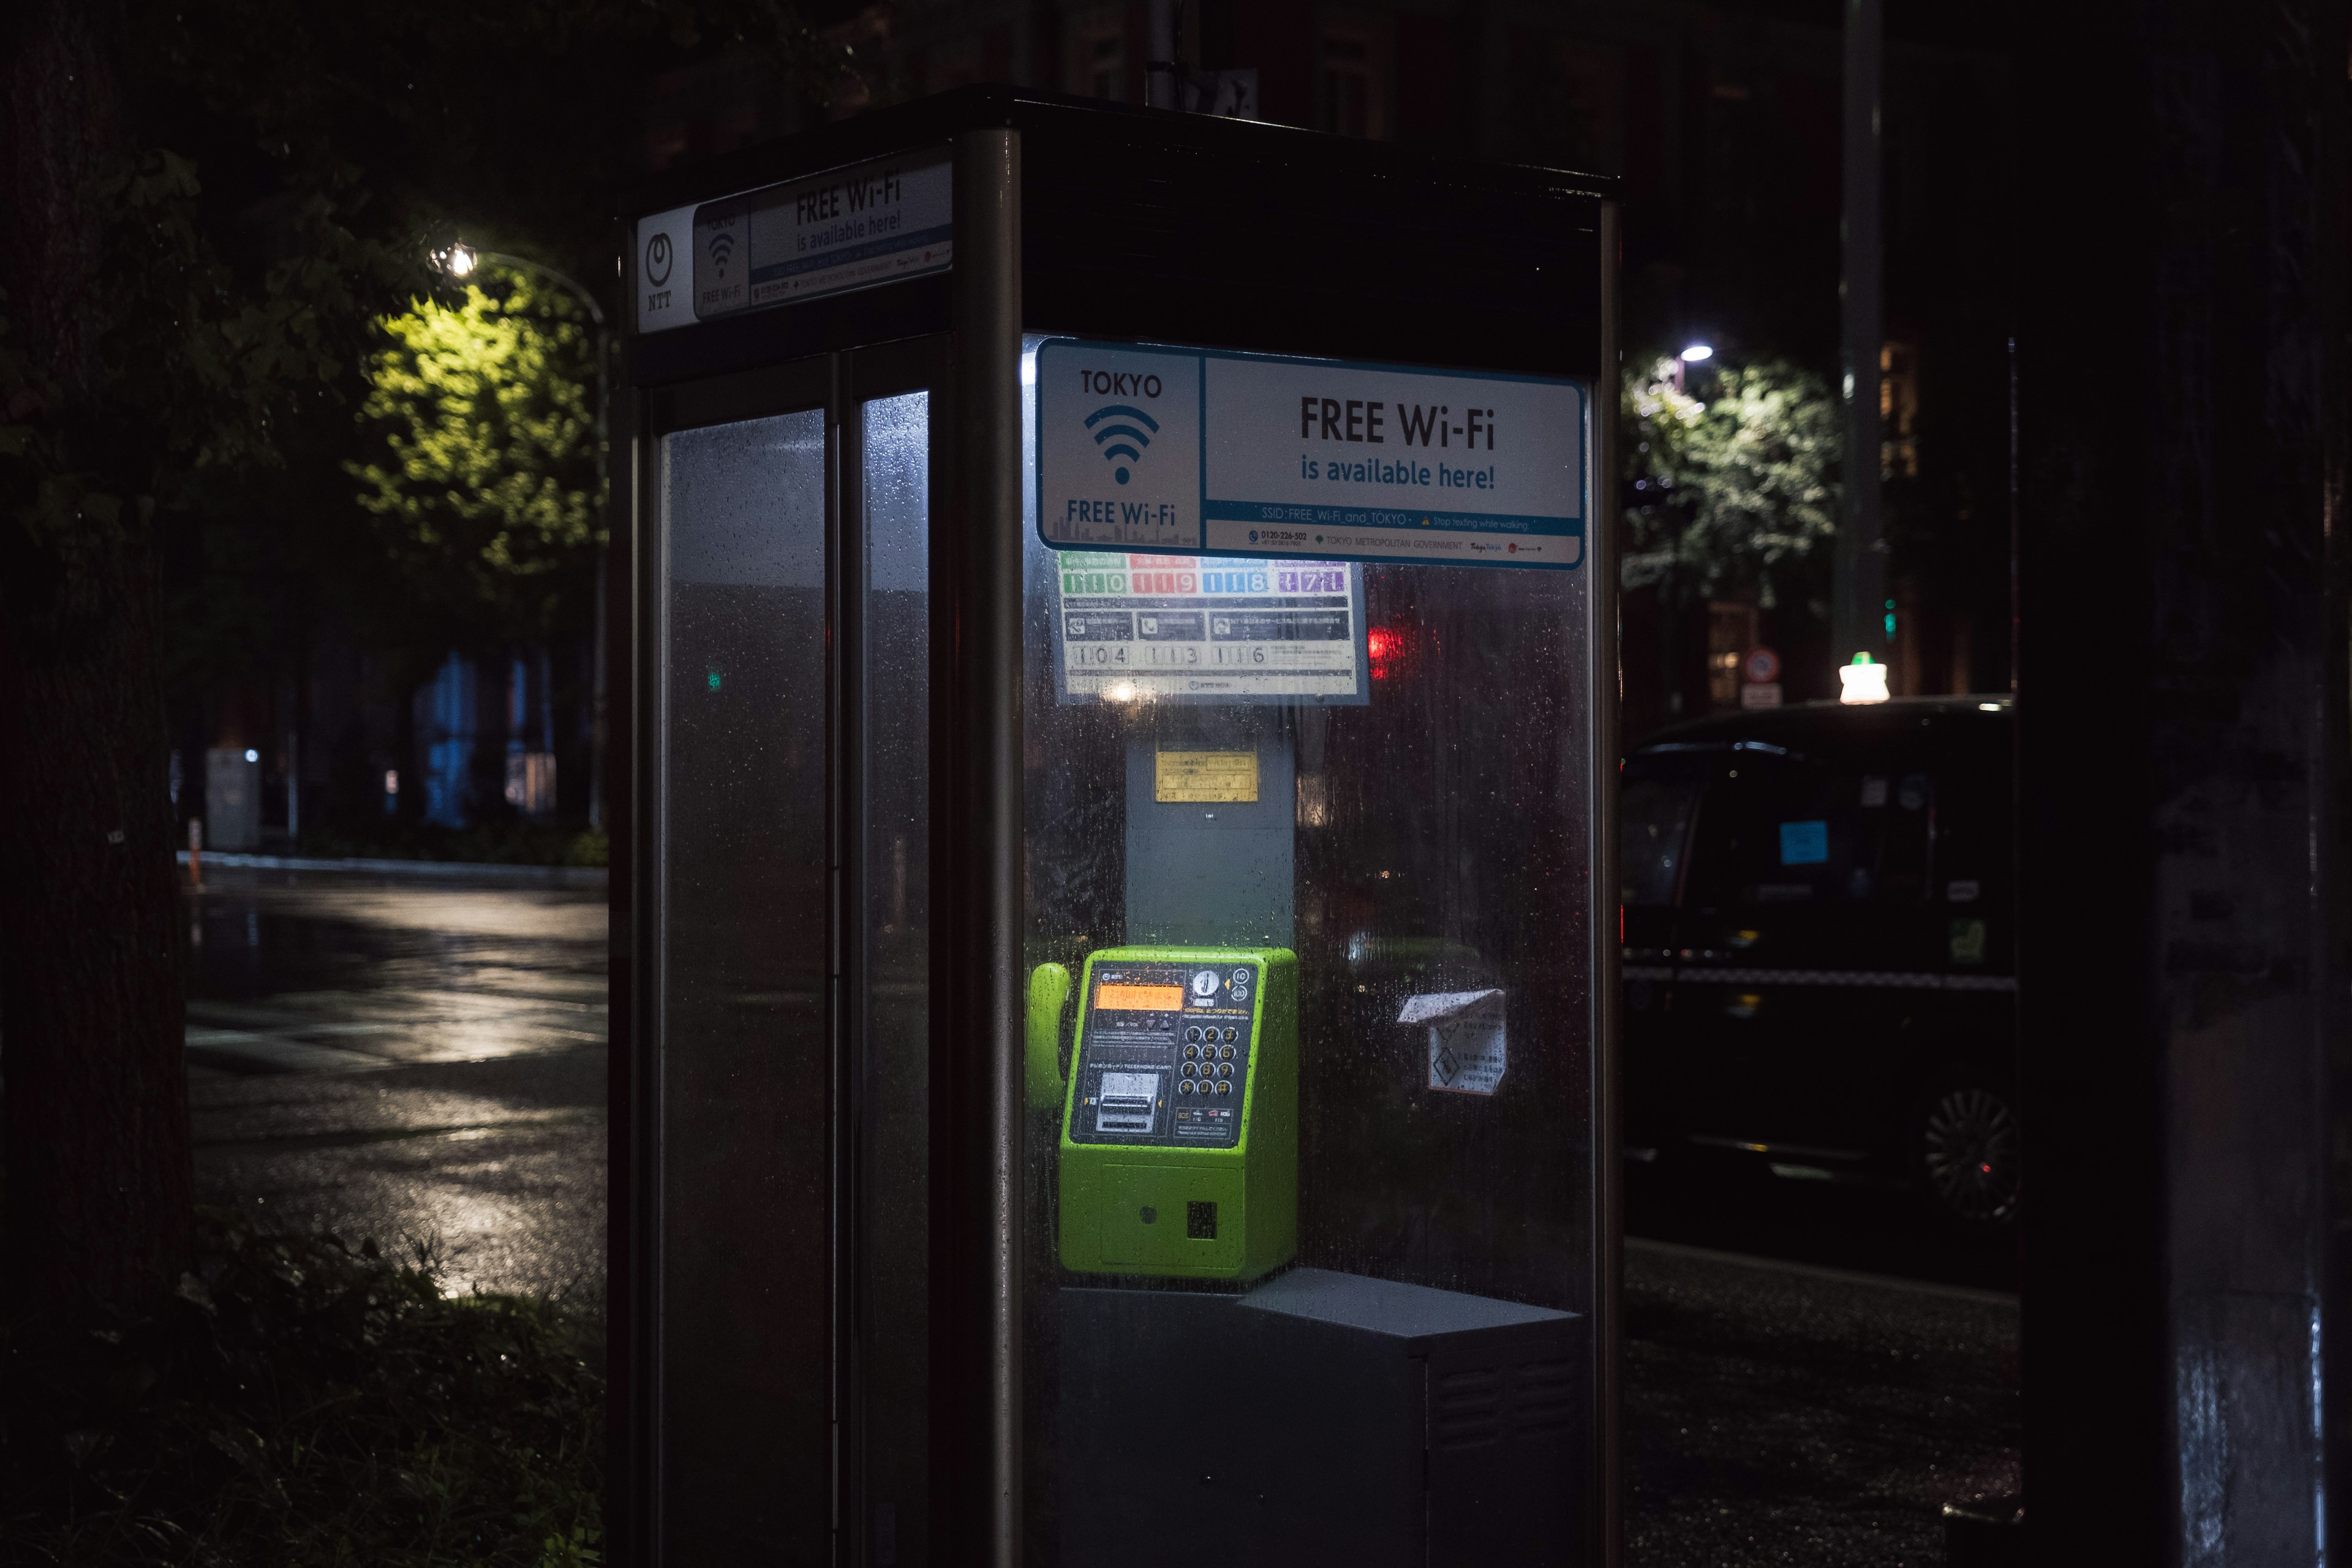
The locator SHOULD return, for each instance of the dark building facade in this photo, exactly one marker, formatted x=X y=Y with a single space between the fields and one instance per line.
x=1724 y=122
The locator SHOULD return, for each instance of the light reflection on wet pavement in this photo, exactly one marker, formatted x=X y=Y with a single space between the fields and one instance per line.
x=417 y=1062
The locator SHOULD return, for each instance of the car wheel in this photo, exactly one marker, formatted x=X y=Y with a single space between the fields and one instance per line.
x=1969 y=1157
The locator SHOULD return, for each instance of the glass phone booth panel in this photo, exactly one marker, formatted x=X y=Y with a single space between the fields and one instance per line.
x=744 y=1038
x=893 y=1102
x=792 y=823
x=1311 y=1224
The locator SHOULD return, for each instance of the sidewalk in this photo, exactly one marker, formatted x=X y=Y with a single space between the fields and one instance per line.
x=463 y=871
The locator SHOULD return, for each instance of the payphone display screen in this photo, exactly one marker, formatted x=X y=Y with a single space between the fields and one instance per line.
x=1164 y=1055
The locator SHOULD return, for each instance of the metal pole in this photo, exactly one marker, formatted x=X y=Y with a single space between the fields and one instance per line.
x=1858 y=611
x=982 y=1074
x=1160 y=63
x=2184 y=722
x=603 y=566
x=1606 y=954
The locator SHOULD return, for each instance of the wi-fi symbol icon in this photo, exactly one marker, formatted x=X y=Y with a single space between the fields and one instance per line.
x=1123 y=436
x=722 y=246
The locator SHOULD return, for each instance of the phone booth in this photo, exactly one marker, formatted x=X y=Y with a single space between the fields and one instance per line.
x=1114 y=913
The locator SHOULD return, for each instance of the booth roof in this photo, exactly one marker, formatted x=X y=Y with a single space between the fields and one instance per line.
x=930 y=121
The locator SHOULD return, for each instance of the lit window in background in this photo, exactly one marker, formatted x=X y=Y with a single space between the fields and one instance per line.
x=1898 y=411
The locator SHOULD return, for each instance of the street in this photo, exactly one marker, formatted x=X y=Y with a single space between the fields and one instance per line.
x=1809 y=1375
x=407 y=1060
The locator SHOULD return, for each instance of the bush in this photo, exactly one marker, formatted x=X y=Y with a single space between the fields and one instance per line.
x=300 y=1401
x=509 y=843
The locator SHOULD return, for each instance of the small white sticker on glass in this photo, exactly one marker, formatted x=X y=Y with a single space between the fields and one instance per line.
x=1467 y=1050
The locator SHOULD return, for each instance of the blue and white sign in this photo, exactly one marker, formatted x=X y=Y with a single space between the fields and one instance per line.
x=1197 y=451
x=876 y=222
x=664 y=275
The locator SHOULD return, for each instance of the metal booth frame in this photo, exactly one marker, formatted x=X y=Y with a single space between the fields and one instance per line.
x=1022 y=163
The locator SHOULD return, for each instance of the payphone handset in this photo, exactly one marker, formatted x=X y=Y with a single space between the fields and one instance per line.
x=1180 y=1119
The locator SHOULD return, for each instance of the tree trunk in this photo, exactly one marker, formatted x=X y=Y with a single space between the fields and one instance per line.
x=96 y=1203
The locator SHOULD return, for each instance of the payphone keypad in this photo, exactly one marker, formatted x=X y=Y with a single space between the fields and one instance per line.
x=1164 y=1053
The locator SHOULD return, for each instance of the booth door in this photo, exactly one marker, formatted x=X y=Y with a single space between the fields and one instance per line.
x=789 y=857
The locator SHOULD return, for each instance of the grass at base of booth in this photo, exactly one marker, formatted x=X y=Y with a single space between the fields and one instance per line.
x=507 y=843
x=299 y=1400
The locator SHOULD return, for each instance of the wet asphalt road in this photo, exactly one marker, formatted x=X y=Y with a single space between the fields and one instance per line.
x=416 y=1062
x=1810 y=1373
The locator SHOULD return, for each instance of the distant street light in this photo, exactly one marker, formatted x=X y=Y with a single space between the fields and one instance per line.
x=459 y=261
x=1692 y=354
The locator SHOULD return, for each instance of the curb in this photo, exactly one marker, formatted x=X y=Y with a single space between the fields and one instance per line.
x=490 y=871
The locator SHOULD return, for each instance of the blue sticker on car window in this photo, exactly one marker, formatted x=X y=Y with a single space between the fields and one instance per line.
x=1804 y=843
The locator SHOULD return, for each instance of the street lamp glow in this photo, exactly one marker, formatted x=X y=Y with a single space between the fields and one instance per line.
x=1698 y=351
x=461 y=260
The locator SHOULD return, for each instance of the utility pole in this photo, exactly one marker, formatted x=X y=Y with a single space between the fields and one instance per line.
x=1165 y=70
x=2184 y=734
x=1858 y=612
x=1160 y=58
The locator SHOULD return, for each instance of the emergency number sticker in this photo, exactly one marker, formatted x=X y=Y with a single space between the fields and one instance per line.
x=1137 y=628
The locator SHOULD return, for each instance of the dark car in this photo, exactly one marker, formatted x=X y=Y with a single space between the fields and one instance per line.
x=1819 y=967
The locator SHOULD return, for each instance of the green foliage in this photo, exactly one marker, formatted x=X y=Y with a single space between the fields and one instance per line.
x=593 y=847
x=191 y=370
x=1739 y=489
x=483 y=477
x=303 y=1402
x=511 y=841
x=298 y=163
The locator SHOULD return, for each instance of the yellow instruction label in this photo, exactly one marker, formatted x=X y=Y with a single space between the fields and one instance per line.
x=1182 y=776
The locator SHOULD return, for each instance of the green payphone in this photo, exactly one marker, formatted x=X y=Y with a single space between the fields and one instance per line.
x=1179 y=1116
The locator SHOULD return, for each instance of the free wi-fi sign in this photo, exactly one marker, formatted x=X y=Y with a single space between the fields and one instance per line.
x=1122 y=432
x=1150 y=446
x=1118 y=432
x=870 y=224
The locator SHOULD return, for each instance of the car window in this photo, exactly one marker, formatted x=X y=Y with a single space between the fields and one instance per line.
x=1783 y=830
x=1654 y=815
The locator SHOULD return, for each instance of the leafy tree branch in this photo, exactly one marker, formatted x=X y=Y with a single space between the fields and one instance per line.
x=483 y=474
x=1738 y=490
